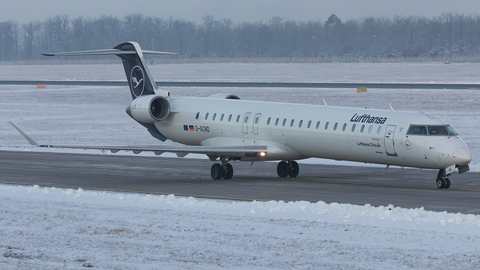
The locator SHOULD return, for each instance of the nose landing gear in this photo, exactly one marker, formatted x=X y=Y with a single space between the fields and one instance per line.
x=442 y=180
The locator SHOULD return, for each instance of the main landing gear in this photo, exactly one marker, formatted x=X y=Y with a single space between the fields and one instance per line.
x=289 y=168
x=224 y=170
x=442 y=180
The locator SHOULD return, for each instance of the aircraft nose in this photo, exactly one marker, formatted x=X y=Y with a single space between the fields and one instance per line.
x=462 y=156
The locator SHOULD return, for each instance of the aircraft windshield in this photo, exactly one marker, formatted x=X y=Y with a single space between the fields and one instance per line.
x=432 y=130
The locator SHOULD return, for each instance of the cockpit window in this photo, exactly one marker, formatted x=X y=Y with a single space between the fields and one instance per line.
x=451 y=131
x=432 y=130
x=437 y=130
x=417 y=130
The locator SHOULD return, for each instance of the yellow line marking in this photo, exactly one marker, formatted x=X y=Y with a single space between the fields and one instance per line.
x=365 y=184
x=94 y=168
x=136 y=191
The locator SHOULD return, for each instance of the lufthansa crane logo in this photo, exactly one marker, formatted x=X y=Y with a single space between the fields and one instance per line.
x=137 y=83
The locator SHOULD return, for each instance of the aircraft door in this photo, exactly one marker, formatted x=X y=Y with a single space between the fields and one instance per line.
x=256 y=121
x=245 y=122
x=389 y=141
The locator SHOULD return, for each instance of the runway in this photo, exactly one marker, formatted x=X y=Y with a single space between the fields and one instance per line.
x=408 y=188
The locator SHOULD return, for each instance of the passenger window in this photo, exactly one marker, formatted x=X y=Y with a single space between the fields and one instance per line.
x=344 y=127
x=268 y=121
x=198 y=114
x=300 y=124
x=214 y=116
x=353 y=127
x=229 y=118
x=284 y=122
x=362 y=129
x=318 y=125
x=256 y=120
x=417 y=130
x=276 y=121
x=221 y=117
x=335 y=126
x=370 y=129
x=326 y=125
x=246 y=119
x=238 y=118
x=379 y=129
x=309 y=124
x=291 y=122
x=206 y=116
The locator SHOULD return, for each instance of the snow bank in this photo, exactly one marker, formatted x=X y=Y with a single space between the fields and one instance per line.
x=54 y=228
x=301 y=210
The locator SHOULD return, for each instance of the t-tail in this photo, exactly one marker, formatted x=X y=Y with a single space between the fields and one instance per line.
x=139 y=78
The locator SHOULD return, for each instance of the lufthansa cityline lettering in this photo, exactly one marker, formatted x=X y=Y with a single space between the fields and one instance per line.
x=367 y=118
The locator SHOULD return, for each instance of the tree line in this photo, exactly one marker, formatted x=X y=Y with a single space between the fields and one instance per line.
x=445 y=35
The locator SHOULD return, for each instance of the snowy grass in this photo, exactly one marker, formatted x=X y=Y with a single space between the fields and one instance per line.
x=71 y=229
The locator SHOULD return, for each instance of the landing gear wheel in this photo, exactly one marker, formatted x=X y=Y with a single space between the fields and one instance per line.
x=442 y=180
x=447 y=183
x=294 y=169
x=217 y=171
x=441 y=183
x=228 y=171
x=283 y=169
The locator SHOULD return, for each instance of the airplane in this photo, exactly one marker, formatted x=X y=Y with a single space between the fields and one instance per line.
x=227 y=129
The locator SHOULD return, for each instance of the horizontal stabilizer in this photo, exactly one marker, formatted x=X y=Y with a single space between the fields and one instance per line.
x=105 y=52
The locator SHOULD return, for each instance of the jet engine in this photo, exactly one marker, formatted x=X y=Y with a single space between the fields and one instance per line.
x=149 y=109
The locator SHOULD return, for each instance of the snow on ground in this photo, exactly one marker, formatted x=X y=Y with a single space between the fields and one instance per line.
x=268 y=72
x=72 y=229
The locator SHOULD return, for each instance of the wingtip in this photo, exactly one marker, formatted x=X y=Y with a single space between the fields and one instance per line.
x=30 y=140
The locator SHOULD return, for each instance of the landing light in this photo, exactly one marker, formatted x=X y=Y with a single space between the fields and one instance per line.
x=262 y=154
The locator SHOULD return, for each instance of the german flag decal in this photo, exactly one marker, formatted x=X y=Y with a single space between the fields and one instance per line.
x=188 y=127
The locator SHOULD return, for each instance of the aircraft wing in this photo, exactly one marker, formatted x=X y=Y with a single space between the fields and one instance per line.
x=181 y=151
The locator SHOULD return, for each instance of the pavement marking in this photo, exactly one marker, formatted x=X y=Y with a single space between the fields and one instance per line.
x=137 y=191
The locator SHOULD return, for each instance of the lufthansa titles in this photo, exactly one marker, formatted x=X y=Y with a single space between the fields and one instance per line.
x=367 y=118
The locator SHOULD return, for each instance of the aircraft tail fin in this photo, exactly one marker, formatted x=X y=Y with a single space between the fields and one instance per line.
x=138 y=75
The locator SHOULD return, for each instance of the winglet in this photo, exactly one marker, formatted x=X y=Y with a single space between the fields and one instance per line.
x=30 y=140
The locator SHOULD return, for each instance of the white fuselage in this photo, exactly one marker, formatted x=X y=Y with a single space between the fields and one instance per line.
x=297 y=131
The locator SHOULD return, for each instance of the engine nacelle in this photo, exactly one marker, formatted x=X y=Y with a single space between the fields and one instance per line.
x=149 y=109
x=224 y=96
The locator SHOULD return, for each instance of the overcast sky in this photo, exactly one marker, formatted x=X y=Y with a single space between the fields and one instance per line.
x=238 y=10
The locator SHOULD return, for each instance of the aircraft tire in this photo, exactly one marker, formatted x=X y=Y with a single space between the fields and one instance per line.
x=440 y=183
x=447 y=183
x=216 y=171
x=283 y=169
x=294 y=169
x=228 y=173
